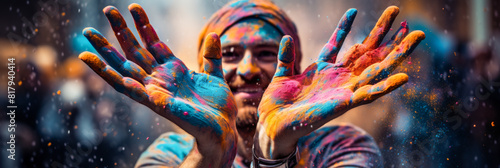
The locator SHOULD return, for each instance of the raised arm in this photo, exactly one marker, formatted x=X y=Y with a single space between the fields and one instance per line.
x=295 y=105
x=200 y=103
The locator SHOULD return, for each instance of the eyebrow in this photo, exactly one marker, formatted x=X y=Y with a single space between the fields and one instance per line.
x=273 y=45
x=262 y=44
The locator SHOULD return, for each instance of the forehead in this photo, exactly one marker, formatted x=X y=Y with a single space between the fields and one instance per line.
x=251 y=32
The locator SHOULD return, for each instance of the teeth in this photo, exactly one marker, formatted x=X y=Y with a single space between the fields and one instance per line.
x=250 y=90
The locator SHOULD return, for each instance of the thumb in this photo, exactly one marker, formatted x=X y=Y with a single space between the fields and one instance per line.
x=286 y=57
x=212 y=55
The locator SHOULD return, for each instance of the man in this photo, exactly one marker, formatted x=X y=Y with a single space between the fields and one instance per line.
x=249 y=105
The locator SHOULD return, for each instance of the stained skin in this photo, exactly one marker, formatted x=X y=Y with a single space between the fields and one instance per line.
x=295 y=105
x=200 y=103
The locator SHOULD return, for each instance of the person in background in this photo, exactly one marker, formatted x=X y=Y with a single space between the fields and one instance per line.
x=249 y=105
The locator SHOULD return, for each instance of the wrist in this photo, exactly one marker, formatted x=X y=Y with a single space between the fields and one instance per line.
x=287 y=162
x=269 y=148
x=210 y=148
x=196 y=159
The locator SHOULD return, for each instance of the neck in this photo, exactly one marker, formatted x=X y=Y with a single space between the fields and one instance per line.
x=245 y=142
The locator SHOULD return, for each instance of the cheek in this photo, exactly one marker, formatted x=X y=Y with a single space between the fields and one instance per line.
x=227 y=68
x=269 y=68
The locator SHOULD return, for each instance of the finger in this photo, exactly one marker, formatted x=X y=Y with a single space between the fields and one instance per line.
x=373 y=40
x=102 y=46
x=111 y=76
x=136 y=91
x=212 y=55
x=112 y=56
x=157 y=48
x=379 y=71
x=369 y=93
x=128 y=42
x=332 y=47
x=125 y=85
x=381 y=52
x=396 y=39
x=286 y=57
x=381 y=28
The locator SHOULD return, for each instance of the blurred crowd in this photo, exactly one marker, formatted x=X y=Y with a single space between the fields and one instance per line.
x=67 y=116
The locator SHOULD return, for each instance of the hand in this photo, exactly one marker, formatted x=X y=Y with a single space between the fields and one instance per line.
x=295 y=105
x=200 y=103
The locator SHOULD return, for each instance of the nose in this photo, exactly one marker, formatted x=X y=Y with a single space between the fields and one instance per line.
x=247 y=67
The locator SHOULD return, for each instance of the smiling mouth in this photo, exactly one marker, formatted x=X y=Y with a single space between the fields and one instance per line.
x=249 y=90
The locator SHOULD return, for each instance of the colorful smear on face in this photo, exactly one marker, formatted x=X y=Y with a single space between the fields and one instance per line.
x=234 y=12
x=200 y=103
x=249 y=57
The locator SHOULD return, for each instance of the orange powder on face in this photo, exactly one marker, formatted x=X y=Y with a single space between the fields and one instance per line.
x=265 y=10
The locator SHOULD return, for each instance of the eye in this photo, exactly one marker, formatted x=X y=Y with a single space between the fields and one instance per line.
x=267 y=56
x=230 y=55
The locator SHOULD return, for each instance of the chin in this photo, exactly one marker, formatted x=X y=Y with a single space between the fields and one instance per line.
x=246 y=122
x=246 y=119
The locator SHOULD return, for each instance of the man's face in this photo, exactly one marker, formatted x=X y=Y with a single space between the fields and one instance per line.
x=249 y=59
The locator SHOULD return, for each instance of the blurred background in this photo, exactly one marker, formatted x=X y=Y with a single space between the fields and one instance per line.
x=447 y=115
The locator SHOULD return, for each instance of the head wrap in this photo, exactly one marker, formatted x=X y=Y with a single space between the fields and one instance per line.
x=236 y=11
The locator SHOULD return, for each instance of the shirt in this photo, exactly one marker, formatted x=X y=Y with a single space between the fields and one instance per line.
x=330 y=146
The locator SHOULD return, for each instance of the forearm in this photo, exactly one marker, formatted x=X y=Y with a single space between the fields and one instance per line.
x=213 y=156
x=197 y=159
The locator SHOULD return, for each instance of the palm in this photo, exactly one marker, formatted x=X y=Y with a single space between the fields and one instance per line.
x=295 y=105
x=306 y=100
x=189 y=93
x=198 y=90
x=317 y=90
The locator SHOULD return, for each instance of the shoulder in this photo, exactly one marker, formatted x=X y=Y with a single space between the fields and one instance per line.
x=169 y=149
x=340 y=145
